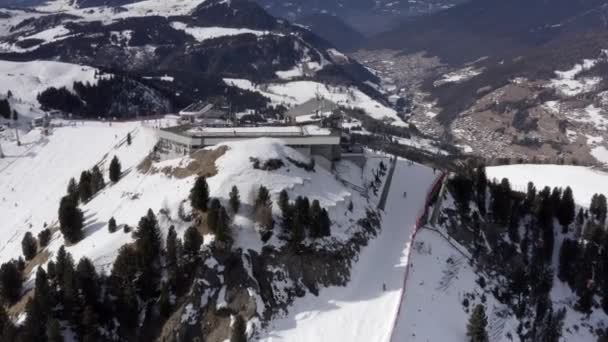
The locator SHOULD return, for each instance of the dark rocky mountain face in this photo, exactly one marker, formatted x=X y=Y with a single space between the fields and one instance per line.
x=333 y=29
x=492 y=27
x=366 y=16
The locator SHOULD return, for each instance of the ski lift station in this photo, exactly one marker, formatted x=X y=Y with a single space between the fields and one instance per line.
x=323 y=144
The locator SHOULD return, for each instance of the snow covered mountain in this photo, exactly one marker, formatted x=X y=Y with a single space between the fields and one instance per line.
x=175 y=52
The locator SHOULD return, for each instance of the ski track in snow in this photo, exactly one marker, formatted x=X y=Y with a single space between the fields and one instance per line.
x=362 y=311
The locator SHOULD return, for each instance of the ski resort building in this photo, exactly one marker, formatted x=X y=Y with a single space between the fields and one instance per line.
x=204 y=113
x=311 y=110
x=320 y=143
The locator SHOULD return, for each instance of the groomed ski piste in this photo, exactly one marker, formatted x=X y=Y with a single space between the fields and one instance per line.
x=364 y=310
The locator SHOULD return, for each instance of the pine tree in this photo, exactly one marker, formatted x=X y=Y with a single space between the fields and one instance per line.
x=8 y=331
x=315 y=219
x=44 y=237
x=10 y=282
x=5 y=109
x=97 y=181
x=85 y=187
x=238 y=332
x=51 y=270
x=112 y=225
x=598 y=208
x=478 y=322
x=264 y=218
x=567 y=258
x=171 y=257
x=147 y=239
x=115 y=170
x=35 y=323
x=53 y=331
x=556 y=198
x=192 y=242
x=164 y=301
x=297 y=234
x=283 y=201
x=462 y=189
x=29 y=246
x=566 y=210
x=263 y=198
x=325 y=223
x=42 y=292
x=67 y=283
x=223 y=230
x=199 y=195
x=87 y=281
x=501 y=201
x=213 y=213
x=89 y=325
x=72 y=191
x=71 y=220
x=129 y=138
x=235 y=199
x=481 y=183
x=287 y=211
x=530 y=197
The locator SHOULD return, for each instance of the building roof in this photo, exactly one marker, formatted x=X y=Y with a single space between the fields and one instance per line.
x=312 y=106
x=197 y=108
x=260 y=131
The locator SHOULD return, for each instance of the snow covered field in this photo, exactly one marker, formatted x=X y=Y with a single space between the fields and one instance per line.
x=363 y=311
x=204 y=33
x=28 y=79
x=297 y=92
x=584 y=181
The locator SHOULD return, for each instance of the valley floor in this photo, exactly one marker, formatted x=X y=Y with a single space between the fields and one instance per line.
x=364 y=310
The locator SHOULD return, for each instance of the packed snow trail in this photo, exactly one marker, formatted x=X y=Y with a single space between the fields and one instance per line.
x=363 y=310
x=33 y=182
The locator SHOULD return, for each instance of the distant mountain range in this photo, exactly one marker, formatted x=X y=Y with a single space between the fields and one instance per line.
x=482 y=28
x=366 y=16
x=194 y=43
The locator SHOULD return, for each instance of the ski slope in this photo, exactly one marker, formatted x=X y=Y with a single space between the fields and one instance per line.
x=34 y=176
x=584 y=181
x=363 y=311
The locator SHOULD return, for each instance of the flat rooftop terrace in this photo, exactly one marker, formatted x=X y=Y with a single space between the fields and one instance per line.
x=259 y=131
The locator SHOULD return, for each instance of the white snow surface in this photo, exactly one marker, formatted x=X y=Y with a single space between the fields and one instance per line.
x=432 y=309
x=34 y=177
x=584 y=181
x=295 y=93
x=362 y=311
x=204 y=33
x=27 y=79
x=569 y=84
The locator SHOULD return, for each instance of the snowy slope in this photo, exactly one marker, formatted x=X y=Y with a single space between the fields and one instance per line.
x=297 y=92
x=34 y=177
x=439 y=278
x=362 y=311
x=27 y=79
x=138 y=9
x=584 y=181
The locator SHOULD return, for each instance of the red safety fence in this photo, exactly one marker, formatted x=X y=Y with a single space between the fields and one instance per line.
x=419 y=221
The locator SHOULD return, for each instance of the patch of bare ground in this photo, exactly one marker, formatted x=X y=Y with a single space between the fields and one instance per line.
x=19 y=307
x=40 y=258
x=201 y=163
x=147 y=163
